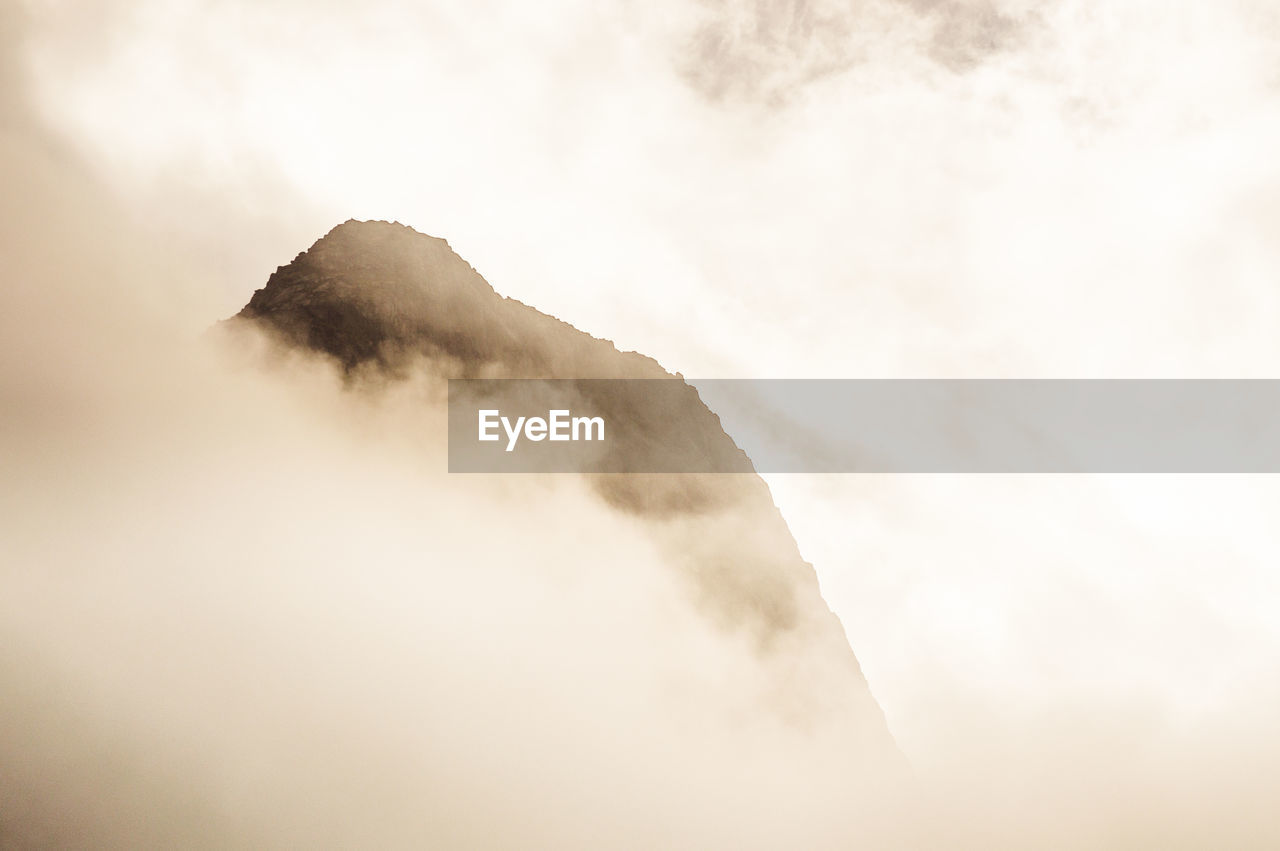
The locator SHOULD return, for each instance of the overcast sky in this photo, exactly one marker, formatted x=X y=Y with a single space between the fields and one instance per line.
x=738 y=188
x=935 y=188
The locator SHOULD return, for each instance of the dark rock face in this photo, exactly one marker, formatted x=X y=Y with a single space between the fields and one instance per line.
x=377 y=291
x=377 y=295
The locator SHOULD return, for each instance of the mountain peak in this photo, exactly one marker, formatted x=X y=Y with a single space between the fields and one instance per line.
x=382 y=295
x=381 y=291
x=381 y=235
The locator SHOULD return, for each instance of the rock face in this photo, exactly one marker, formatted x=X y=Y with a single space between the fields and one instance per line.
x=378 y=291
x=379 y=295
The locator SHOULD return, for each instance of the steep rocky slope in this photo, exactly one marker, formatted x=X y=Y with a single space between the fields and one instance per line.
x=381 y=296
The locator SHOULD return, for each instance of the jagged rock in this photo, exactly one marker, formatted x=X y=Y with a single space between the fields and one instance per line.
x=378 y=295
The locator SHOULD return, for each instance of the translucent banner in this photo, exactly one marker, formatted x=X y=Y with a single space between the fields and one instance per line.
x=864 y=426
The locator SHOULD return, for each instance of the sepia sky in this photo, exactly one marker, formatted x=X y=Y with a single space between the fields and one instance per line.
x=746 y=188
x=899 y=188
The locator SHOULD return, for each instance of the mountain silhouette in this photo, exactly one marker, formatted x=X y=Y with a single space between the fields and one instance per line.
x=379 y=296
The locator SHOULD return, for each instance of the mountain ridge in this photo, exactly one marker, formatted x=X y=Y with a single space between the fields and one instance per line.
x=268 y=302
x=380 y=295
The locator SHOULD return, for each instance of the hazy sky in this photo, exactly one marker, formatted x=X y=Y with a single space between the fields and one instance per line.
x=920 y=188
x=782 y=189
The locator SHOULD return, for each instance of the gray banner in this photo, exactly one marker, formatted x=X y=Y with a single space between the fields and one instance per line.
x=865 y=426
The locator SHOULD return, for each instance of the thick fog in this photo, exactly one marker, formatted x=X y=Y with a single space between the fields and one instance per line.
x=241 y=604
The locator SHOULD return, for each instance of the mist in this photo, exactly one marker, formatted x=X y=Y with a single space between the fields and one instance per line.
x=243 y=605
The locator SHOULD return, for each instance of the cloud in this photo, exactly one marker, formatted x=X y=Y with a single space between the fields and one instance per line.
x=966 y=33
x=244 y=606
x=1090 y=199
x=768 y=51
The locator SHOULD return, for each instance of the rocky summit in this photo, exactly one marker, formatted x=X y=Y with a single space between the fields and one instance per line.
x=381 y=296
